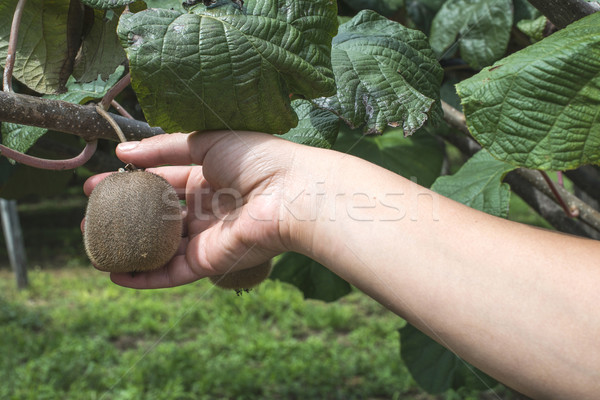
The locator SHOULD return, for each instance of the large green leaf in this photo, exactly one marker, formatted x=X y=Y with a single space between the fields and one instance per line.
x=386 y=75
x=314 y=280
x=22 y=137
x=316 y=127
x=45 y=52
x=227 y=68
x=106 y=4
x=418 y=157
x=478 y=184
x=101 y=53
x=538 y=108
x=170 y=4
x=435 y=368
x=481 y=28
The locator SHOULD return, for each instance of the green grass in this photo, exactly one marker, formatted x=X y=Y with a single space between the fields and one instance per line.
x=75 y=335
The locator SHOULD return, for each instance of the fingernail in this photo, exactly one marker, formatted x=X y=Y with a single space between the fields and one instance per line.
x=128 y=146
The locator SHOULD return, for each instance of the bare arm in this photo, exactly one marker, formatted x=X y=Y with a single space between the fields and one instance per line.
x=518 y=302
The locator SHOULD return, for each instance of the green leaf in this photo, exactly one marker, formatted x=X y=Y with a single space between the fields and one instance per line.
x=106 y=4
x=534 y=28
x=169 y=4
x=422 y=12
x=480 y=27
x=83 y=92
x=478 y=184
x=314 y=280
x=316 y=127
x=383 y=7
x=418 y=157
x=435 y=368
x=226 y=68
x=101 y=53
x=22 y=137
x=538 y=108
x=43 y=60
x=386 y=75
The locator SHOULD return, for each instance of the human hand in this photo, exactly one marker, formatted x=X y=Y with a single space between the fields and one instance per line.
x=232 y=218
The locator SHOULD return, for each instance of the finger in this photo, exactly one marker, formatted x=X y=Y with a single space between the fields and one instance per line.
x=173 y=149
x=177 y=176
x=92 y=181
x=176 y=273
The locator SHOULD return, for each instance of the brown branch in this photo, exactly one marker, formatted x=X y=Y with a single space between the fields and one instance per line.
x=564 y=12
x=12 y=46
x=547 y=208
x=67 y=117
x=588 y=216
x=586 y=178
x=455 y=118
x=56 y=165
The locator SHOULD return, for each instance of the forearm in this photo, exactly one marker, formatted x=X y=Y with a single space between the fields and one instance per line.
x=518 y=302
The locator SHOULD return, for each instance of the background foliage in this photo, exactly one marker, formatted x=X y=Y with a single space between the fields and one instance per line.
x=324 y=76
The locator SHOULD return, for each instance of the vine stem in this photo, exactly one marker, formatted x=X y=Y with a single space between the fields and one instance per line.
x=56 y=165
x=114 y=91
x=559 y=178
x=71 y=163
x=120 y=109
x=112 y=123
x=12 y=46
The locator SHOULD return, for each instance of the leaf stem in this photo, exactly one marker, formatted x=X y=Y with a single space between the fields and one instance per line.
x=114 y=91
x=570 y=211
x=12 y=46
x=559 y=179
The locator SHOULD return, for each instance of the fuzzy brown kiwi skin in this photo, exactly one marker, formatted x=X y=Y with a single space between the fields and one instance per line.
x=244 y=279
x=132 y=222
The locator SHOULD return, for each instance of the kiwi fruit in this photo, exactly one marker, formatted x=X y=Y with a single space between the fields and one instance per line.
x=132 y=222
x=244 y=279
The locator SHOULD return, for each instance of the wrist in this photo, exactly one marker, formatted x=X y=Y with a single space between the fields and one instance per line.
x=310 y=181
